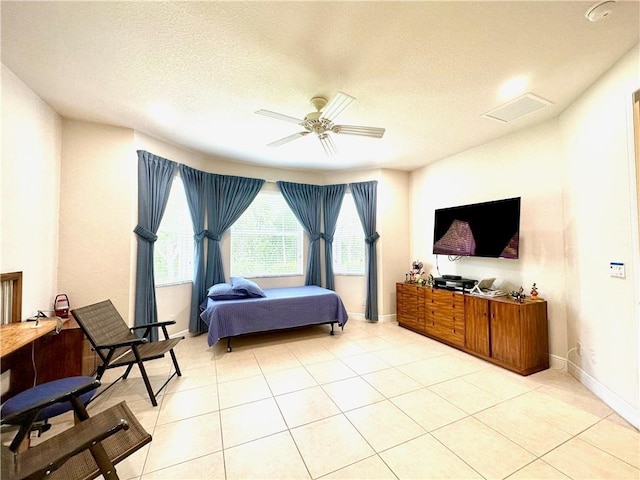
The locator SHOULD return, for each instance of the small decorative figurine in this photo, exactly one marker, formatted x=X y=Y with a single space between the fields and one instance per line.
x=518 y=296
x=430 y=280
x=417 y=267
x=534 y=292
x=414 y=275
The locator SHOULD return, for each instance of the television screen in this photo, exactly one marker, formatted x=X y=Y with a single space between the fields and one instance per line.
x=489 y=229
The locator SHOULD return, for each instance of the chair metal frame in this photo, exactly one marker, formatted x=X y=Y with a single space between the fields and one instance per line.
x=88 y=449
x=117 y=345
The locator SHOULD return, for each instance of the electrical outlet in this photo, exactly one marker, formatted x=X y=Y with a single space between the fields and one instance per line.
x=592 y=353
x=579 y=349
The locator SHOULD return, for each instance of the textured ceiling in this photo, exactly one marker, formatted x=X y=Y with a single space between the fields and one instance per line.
x=194 y=73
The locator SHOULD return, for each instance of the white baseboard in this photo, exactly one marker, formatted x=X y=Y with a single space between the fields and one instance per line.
x=557 y=363
x=183 y=333
x=630 y=413
x=387 y=318
x=381 y=319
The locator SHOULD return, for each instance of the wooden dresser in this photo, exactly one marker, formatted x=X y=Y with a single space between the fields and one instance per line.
x=500 y=330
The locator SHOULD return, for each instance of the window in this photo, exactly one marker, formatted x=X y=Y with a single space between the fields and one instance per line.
x=266 y=241
x=173 y=251
x=348 y=241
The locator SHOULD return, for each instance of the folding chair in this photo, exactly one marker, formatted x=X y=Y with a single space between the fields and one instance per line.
x=90 y=448
x=37 y=420
x=117 y=345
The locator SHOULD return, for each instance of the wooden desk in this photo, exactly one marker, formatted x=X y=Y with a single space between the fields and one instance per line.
x=14 y=336
x=38 y=355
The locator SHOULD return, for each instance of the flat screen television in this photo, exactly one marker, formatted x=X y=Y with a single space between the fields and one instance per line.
x=488 y=229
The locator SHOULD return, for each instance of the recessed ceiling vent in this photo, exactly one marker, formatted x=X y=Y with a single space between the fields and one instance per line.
x=521 y=106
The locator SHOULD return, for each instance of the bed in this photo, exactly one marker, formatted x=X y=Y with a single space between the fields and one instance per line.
x=279 y=308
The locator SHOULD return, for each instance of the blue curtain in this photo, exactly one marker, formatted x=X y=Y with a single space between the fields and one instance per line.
x=230 y=196
x=365 y=198
x=196 y=187
x=306 y=203
x=155 y=175
x=331 y=203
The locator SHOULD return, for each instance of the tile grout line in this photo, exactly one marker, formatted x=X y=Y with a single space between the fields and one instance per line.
x=224 y=457
x=288 y=428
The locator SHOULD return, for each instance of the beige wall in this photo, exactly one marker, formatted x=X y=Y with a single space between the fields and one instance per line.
x=576 y=176
x=600 y=226
x=395 y=227
x=527 y=164
x=98 y=187
x=29 y=193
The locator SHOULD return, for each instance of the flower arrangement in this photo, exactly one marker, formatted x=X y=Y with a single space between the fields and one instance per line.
x=416 y=275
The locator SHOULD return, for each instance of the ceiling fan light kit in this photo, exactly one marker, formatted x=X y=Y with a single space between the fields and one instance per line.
x=321 y=123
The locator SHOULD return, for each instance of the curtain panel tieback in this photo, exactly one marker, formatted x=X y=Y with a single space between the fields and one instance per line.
x=145 y=233
x=198 y=237
x=327 y=238
x=372 y=239
x=315 y=237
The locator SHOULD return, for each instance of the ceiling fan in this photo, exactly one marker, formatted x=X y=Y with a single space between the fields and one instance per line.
x=321 y=123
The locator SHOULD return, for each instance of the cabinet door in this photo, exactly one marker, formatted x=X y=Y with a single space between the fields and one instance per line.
x=535 y=339
x=476 y=312
x=505 y=333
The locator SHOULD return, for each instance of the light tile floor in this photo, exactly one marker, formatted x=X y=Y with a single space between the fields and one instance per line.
x=375 y=401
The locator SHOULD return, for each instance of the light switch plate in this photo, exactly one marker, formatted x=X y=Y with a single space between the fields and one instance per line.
x=616 y=269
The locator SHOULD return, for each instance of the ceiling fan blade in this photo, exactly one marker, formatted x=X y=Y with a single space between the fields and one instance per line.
x=375 y=132
x=328 y=145
x=336 y=106
x=284 y=140
x=279 y=116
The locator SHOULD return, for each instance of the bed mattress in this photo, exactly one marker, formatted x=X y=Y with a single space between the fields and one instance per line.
x=280 y=308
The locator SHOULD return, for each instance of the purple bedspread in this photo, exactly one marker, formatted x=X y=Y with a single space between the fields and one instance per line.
x=281 y=308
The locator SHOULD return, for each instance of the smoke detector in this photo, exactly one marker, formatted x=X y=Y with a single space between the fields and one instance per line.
x=599 y=10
